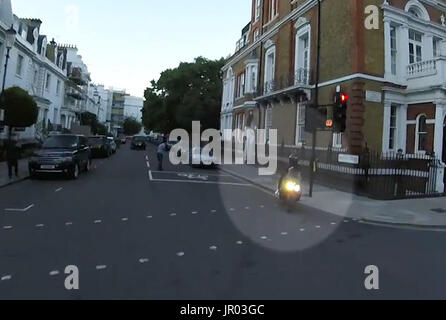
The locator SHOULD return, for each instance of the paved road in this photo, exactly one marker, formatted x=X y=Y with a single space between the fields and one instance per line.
x=135 y=233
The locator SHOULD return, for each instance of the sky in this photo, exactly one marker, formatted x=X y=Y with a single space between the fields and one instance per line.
x=126 y=44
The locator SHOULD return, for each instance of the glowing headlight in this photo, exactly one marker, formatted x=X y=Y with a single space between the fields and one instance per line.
x=292 y=187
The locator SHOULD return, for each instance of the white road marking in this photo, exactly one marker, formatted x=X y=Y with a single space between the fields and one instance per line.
x=20 y=210
x=333 y=223
x=125 y=219
x=232 y=209
x=173 y=214
x=40 y=225
x=264 y=238
x=213 y=248
x=239 y=243
x=194 y=212
x=98 y=221
x=284 y=233
x=302 y=230
x=7 y=227
x=102 y=267
x=185 y=174
x=6 y=278
x=214 y=211
x=69 y=224
x=143 y=260
x=58 y=190
x=345 y=221
x=318 y=227
x=262 y=206
x=149 y=217
x=148 y=164
x=247 y=208
x=150 y=175
x=201 y=182
x=180 y=254
x=54 y=273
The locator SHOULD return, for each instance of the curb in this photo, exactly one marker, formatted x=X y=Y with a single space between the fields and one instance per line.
x=363 y=220
x=14 y=182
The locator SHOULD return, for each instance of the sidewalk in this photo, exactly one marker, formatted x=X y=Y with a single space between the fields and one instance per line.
x=23 y=173
x=411 y=212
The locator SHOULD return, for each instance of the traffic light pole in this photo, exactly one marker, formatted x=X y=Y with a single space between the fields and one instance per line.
x=313 y=164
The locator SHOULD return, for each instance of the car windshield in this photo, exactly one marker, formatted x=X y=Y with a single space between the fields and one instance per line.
x=61 y=142
x=95 y=141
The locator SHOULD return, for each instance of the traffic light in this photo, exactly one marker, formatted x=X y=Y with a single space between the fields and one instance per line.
x=340 y=111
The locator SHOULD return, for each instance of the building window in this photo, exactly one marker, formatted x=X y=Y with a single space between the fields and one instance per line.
x=256 y=35
x=300 y=124
x=58 y=87
x=393 y=127
x=393 y=49
x=241 y=85
x=48 y=81
x=251 y=78
x=19 y=68
x=436 y=47
x=268 y=122
x=270 y=66
x=337 y=140
x=258 y=9
x=421 y=135
x=273 y=8
x=415 y=48
x=302 y=56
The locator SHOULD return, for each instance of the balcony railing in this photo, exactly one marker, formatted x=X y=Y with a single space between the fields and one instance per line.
x=422 y=68
x=299 y=78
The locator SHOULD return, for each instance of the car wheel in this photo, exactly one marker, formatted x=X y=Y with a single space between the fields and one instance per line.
x=76 y=171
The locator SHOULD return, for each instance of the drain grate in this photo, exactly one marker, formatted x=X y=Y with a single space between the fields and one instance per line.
x=440 y=210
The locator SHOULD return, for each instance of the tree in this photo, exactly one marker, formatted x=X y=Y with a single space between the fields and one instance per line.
x=20 y=109
x=131 y=127
x=190 y=92
x=90 y=119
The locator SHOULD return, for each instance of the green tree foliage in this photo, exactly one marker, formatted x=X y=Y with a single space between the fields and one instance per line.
x=190 y=92
x=131 y=127
x=91 y=120
x=20 y=108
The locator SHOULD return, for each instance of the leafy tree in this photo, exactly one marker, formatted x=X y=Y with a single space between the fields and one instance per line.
x=190 y=92
x=131 y=127
x=20 y=108
x=101 y=129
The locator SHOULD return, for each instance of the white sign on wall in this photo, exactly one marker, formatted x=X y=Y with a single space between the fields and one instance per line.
x=373 y=96
x=348 y=158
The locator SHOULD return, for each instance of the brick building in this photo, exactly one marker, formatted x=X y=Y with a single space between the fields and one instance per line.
x=395 y=75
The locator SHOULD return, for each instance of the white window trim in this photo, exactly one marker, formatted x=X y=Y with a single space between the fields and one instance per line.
x=396 y=135
x=336 y=137
x=20 y=74
x=302 y=31
x=417 y=128
x=269 y=52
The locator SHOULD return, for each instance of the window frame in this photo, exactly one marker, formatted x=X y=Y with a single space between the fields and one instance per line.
x=418 y=134
x=20 y=63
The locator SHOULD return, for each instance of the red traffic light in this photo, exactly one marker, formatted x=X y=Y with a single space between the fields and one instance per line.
x=344 y=98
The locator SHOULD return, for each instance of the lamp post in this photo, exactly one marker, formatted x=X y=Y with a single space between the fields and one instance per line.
x=10 y=40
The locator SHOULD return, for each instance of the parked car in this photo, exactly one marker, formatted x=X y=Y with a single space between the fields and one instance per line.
x=123 y=139
x=100 y=146
x=113 y=145
x=138 y=143
x=62 y=154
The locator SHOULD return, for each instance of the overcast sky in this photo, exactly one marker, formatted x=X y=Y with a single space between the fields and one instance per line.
x=128 y=43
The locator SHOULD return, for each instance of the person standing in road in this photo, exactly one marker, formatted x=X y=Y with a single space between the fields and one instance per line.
x=160 y=154
x=12 y=157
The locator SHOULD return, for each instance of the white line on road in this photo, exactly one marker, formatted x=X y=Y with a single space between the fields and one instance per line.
x=194 y=212
x=148 y=164
x=144 y=260
x=40 y=225
x=302 y=230
x=318 y=227
x=262 y=206
x=284 y=233
x=6 y=278
x=239 y=243
x=149 y=217
x=264 y=238
x=7 y=227
x=147 y=158
x=173 y=214
x=180 y=254
x=247 y=208
x=54 y=273
x=20 y=210
x=69 y=224
x=125 y=219
x=333 y=223
x=98 y=221
x=213 y=248
x=58 y=190
x=200 y=182
x=214 y=211
x=102 y=267
x=150 y=175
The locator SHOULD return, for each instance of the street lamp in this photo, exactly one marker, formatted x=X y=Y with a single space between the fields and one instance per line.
x=10 y=40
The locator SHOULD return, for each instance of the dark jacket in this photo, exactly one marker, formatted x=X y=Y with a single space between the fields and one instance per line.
x=12 y=151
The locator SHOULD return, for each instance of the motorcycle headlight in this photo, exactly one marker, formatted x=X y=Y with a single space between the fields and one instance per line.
x=292 y=187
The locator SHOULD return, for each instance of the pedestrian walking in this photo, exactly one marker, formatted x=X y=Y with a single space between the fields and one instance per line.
x=12 y=157
x=160 y=154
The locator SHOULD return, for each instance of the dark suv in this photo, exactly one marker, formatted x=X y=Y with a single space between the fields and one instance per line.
x=63 y=154
x=138 y=143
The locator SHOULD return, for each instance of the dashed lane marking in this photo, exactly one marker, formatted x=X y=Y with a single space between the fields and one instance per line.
x=54 y=273
x=98 y=221
x=125 y=219
x=180 y=254
x=7 y=227
x=213 y=248
x=58 y=190
x=239 y=243
x=39 y=226
x=143 y=260
x=20 y=210
x=6 y=278
x=101 y=267
x=69 y=224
